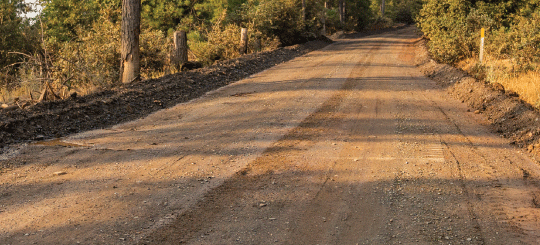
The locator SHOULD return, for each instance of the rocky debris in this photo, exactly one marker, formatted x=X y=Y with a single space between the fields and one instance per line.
x=57 y=118
x=510 y=117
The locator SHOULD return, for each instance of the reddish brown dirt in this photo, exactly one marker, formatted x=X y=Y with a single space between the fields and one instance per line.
x=350 y=144
x=509 y=116
x=103 y=109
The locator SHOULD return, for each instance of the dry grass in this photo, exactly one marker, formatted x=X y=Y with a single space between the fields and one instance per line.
x=526 y=84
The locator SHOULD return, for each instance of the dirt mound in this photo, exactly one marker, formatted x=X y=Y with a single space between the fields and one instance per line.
x=509 y=116
x=106 y=108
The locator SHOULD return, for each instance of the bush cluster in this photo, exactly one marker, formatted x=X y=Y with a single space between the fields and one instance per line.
x=512 y=30
x=76 y=44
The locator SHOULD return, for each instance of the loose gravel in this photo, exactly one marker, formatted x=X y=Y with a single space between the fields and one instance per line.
x=54 y=119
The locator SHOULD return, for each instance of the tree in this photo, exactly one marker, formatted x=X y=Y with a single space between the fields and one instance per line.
x=14 y=31
x=131 y=28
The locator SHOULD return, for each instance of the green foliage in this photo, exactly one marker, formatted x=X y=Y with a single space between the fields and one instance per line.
x=92 y=60
x=512 y=29
x=17 y=33
x=79 y=48
x=405 y=11
x=519 y=42
x=63 y=18
x=18 y=37
x=452 y=27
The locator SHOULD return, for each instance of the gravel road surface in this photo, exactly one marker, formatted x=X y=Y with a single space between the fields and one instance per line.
x=349 y=144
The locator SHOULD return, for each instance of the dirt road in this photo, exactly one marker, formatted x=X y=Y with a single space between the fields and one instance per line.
x=350 y=144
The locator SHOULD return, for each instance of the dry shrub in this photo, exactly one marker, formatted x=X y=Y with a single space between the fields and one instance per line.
x=527 y=85
x=155 y=49
x=503 y=71
x=92 y=61
x=220 y=43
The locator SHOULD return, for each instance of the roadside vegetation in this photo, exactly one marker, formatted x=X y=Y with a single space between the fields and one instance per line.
x=74 y=46
x=512 y=40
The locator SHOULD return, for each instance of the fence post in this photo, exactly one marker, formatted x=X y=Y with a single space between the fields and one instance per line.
x=244 y=41
x=482 y=31
x=323 y=19
x=180 y=53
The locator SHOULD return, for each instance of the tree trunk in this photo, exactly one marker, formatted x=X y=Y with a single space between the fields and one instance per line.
x=180 y=49
x=323 y=19
x=341 y=14
x=382 y=8
x=304 y=11
x=131 y=19
x=244 y=41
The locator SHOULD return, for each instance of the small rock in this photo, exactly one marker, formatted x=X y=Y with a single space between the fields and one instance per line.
x=7 y=107
x=59 y=173
x=469 y=239
x=262 y=205
x=477 y=112
x=271 y=218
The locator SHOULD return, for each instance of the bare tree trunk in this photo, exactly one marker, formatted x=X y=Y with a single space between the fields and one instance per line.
x=382 y=8
x=304 y=11
x=341 y=16
x=323 y=19
x=244 y=41
x=180 y=49
x=131 y=19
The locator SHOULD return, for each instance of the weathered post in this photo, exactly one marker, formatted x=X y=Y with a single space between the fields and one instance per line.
x=131 y=19
x=180 y=53
x=323 y=19
x=482 y=45
x=244 y=41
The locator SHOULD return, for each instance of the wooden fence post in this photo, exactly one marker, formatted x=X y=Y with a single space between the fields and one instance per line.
x=323 y=19
x=244 y=41
x=180 y=53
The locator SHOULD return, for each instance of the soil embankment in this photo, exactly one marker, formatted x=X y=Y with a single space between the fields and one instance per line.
x=59 y=118
x=509 y=116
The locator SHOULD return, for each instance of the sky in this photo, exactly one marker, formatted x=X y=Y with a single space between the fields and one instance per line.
x=33 y=14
